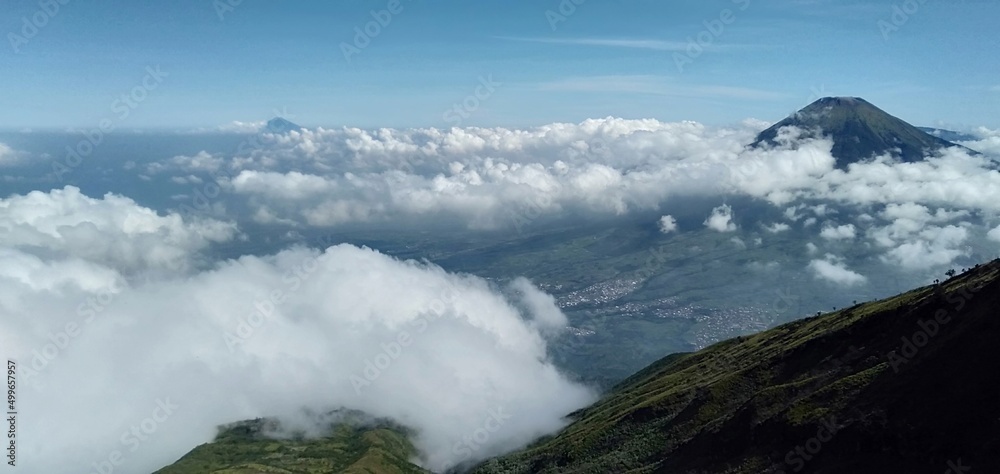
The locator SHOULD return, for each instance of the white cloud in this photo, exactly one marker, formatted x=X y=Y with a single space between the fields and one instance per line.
x=834 y=270
x=920 y=214
x=844 y=232
x=777 y=227
x=792 y=213
x=291 y=186
x=721 y=219
x=199 y=162
x=495 y=178
x=607 y=166
x=931 y=247
x=954 y=179
x=994 y=234
x=304 y=327
x=988 y=141
x=189 y=179
x=668 y=224
x=10 y=156
x=113 y=230
x=237 y=126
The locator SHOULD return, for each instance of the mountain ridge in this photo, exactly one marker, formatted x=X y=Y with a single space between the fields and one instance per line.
x=896 y=385
x=949 y=135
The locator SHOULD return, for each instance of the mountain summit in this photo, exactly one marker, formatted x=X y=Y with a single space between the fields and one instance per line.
x=280 y=125
x=859 y=131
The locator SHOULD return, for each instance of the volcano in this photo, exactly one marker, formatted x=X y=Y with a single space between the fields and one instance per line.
x=859 y=131
x=280 y=125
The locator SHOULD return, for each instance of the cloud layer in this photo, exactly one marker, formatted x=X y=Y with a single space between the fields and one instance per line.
x=113 y=230
x=509 y=179
x=610 y=166
x=178 y=352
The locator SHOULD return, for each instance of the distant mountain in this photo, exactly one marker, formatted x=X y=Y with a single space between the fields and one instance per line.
x=859 y=131
x=906 y=384
x=280 y=125
x=950 y=135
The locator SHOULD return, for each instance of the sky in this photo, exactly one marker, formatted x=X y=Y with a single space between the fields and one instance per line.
x=530 y=62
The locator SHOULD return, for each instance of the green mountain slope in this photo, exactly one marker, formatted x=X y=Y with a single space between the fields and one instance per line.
x=906 y=384
x=859 y=131
x=243 y=448
x=842 y=392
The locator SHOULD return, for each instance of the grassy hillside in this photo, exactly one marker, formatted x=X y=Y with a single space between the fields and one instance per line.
x=841 y=392
x=243 y=448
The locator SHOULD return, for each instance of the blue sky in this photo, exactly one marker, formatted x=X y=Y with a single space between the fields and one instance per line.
x=936 y=66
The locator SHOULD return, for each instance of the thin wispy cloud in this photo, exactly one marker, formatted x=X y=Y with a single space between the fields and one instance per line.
x=825 y=8
x=653 y=44
x=656 y=85
x=632 y=43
